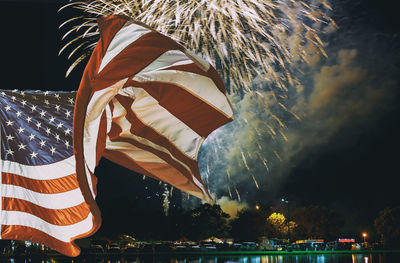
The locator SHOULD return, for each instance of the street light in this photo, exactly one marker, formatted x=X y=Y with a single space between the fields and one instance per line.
x=288 y=216
x=364 y=236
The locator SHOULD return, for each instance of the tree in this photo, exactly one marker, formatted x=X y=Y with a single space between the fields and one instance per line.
x=280 y=225
x=317 y=222
x=208 y=220
x=387 y=225
x=249 y=225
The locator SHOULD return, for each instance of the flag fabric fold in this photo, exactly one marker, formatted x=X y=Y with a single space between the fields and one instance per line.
x=144 y=102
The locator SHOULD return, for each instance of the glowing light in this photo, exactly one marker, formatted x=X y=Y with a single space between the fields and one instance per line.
x=364 y=236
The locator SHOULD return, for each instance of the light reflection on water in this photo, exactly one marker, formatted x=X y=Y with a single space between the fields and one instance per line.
x=326 y=258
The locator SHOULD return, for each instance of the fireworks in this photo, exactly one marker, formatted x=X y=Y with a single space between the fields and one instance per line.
x=166 y=196
x=242 y=39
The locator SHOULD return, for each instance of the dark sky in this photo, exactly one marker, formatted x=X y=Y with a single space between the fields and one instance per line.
x=356 y=173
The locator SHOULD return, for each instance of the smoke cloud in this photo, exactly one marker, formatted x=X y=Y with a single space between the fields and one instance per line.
x=273 y=131
x=231 y=207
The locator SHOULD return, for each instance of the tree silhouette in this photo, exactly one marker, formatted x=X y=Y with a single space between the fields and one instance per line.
x=387 y=225
x=208 y=220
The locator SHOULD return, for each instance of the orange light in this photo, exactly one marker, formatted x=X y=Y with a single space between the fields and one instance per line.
x=364 y=234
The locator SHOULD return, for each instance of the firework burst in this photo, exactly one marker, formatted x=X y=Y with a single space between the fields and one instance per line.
x=241 y=38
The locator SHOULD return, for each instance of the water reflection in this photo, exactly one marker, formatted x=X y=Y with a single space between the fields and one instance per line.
x=323 y=258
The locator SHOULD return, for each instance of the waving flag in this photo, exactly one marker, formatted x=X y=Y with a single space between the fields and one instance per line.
x=40 y=196
x=144 y=102
x=147 y=103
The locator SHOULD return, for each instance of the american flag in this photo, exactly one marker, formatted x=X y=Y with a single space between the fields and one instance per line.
x=40 y=197
x=144 y=102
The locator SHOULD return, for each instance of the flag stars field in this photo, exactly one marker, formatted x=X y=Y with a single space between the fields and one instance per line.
x=33 y=129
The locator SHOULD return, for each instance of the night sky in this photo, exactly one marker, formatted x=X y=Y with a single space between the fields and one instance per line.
x=351 y=166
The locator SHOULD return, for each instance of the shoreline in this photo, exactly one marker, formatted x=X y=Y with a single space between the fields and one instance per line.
x=206 y=253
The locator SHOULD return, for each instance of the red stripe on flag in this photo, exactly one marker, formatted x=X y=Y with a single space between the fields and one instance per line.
x=109 y=27
x=192 y=67
x=185 y=106
x=37 y=236
x=101 y=137
x=135 y=57
x=59 y=217
x=217 y=79
x=52 y=186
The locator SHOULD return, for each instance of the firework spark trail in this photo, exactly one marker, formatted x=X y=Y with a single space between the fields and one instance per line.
x=255 y=181
x=283 y=135
x=229 y=192
x=228 y=181
x=207 y=182
x=259 y=145
x=264 y=161
x=237 y=192
x=278 y=156
x=244 y=160
x=241 y=38
x=166 y=195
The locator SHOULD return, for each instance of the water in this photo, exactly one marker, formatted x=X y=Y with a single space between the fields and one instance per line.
x=323 y=258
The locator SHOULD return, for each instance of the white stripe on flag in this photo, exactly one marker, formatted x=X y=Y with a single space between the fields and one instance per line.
x=134 y=152
x=63 y=233
x=128 y=34
x=52 y=201
x=169 y=59
x=41 y=172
